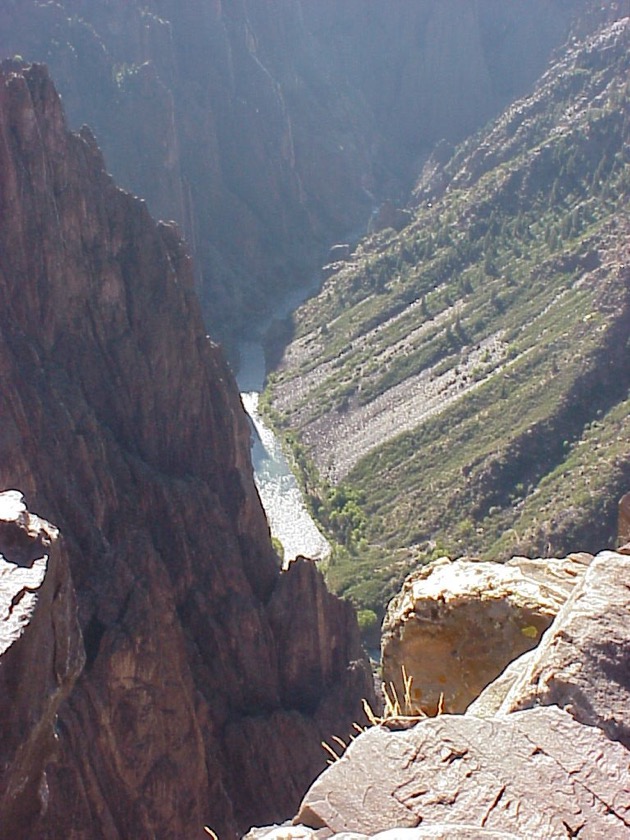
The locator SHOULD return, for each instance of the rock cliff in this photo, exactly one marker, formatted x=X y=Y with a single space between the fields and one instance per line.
x=121 y=424
x=267 y=130
x=41 y=655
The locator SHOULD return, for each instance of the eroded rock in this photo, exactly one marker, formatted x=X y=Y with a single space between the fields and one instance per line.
x=583 y=662
x=456 y=625
x=528 y=774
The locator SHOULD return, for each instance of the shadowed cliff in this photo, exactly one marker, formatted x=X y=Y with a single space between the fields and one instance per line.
x=267 y=130
x=122 y=425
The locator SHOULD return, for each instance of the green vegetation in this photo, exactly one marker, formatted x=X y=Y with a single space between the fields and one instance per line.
x=504 y=307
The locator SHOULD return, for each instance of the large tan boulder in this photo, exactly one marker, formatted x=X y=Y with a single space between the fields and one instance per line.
x=457 y=624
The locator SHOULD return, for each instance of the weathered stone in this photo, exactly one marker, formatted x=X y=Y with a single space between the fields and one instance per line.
x=281 y=832
x=583 y=662
x=536 y=773
x=441 y=832
x=41 y=655
x=456 y=625
x=493 y=696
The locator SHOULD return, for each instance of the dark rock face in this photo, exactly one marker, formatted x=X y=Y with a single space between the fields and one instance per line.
x=41 y=655
x=266 y=130
x=122 y=424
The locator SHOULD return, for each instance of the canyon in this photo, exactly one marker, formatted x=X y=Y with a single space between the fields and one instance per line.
x=459 y=383
x=269 y=130
x=122 y=425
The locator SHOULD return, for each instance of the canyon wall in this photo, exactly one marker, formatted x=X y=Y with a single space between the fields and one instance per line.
x=460 y=385
x=266 y=130
x=122 y=425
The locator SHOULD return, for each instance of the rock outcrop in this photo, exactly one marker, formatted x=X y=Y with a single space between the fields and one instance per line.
x=456 y=625
x=553 y=763
x=122 y=424
x=527 y=774
x=41 y=655
x=583 y=662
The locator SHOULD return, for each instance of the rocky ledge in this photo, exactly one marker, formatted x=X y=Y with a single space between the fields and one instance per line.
x=545 y=756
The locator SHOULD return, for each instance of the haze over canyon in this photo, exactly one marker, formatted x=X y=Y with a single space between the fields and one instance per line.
x=458 y=383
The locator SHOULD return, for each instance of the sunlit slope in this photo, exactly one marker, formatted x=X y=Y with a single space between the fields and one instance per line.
x=464 y=383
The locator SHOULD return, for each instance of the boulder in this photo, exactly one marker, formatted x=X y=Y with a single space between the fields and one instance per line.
x=529 y=774
x=457 y=624
x=583 y=663
x=493 y=696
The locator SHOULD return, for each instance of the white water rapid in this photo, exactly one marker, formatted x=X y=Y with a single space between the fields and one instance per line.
x=282 y=499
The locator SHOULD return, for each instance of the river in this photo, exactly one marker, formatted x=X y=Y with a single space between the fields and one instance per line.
x=282 y=499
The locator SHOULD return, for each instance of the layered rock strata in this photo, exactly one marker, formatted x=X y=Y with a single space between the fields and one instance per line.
x=457 y=624
x=122 y=424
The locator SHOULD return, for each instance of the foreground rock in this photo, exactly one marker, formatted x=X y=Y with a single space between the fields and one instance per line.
x=122 y=424
x=456 y=625
x=583 y=662
x=529 y=774
x=41 y=654
x=432 y=832
x=552 y=763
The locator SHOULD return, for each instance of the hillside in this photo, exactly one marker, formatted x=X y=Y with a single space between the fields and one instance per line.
x=462 y=386
x=267 y=130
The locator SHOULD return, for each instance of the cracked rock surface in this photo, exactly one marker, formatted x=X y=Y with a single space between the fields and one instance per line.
x=583 y=662
x=543 y=752
x=513 y=774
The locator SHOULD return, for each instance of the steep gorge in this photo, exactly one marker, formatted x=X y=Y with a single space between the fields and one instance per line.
x=267 y=130
x=204 y=696
x=122 y=424
x=461 y=386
